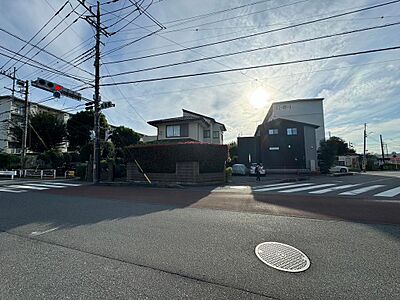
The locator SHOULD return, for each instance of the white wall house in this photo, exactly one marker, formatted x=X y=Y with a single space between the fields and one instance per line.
x=190 y=126
x=12 y=114
x=310 y=111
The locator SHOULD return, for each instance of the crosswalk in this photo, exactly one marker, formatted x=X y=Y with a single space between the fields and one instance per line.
x=332 y=188
x=35 y=186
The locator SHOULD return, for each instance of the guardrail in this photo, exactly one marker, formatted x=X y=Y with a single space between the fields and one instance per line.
x=49 y=173
x=8 y=173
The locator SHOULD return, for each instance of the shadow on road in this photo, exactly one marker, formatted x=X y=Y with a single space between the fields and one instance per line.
x=67 y=208
x=336 y=208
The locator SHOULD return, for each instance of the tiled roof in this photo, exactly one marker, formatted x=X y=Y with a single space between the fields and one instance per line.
x=173 y=120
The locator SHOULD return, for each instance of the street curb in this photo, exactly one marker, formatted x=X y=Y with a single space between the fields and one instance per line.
x=141 y=184
x=341 y=174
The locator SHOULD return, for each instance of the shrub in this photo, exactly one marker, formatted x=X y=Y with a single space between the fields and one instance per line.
x=9 y=161
x=81 y=171
x=163 y=158
x=228 y=171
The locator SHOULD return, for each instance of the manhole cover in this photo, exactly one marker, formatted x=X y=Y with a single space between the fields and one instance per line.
x=282 y=257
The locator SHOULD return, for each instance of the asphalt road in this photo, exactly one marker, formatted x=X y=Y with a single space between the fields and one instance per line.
x=60 y=244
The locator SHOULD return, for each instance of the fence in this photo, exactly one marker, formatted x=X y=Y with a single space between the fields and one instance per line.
x=46 y=173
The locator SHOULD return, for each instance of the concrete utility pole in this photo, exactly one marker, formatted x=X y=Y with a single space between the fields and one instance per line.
x=383 y=152
x=13 y=88
x=96 y=146
x=365 y=148
x=26 y=120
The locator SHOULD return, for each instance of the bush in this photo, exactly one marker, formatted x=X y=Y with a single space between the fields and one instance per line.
x=163 y=158
x=52 y=159
x=9 y=161
x=228 y=171
x=81 y=171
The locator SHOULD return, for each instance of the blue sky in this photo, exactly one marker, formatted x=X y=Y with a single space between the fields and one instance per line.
x=356 y=89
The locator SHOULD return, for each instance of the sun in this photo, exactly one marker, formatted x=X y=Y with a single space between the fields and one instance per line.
x=259 y=97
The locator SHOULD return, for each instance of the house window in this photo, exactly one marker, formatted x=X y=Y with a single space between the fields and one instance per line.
x=215 y=134
x=177 y=130
x=206 y=134
x=291 y=131
x=272 y=131
x=273 y=148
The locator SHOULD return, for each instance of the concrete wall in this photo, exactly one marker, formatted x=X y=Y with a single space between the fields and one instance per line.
x=307 y=111
x=310 y=147
x=185 y=173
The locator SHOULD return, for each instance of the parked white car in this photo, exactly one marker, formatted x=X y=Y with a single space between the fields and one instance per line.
x=339 y=169
x=239 y=169
x=253 y=169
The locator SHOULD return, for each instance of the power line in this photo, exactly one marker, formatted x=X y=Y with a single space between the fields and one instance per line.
x=45 y=68
x=198 y=17
x=43 y=38
x=253 y=67
x=254 y=49
x=269 y=31
x=236 y=17
x=40 y=30
x=41 y=49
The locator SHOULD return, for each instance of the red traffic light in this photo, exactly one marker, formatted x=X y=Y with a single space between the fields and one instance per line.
x=58 y=88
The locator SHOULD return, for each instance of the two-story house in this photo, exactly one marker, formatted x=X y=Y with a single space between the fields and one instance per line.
x=190 y=126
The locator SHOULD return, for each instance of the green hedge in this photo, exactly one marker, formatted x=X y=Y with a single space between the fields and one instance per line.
x=163 y=158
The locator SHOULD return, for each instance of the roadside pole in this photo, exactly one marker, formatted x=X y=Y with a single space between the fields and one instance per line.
x=25 y=130
x=96 y=146
x=365 y=148
x=383 y=152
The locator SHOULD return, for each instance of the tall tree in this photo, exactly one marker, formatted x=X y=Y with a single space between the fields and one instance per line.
x=48 y=131
x=328 y=151
x=79 y=127
x=123 y=136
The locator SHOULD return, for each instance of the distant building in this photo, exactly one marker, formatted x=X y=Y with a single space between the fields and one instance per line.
x=191 y=126
x=288 y=138
x=12 y=114
x=310 y=111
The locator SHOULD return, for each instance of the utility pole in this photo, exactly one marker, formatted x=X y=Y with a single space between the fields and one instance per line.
x=13 y=79
x=383 y=152
x=96 y=146
x=365 y=148
x=26 y=120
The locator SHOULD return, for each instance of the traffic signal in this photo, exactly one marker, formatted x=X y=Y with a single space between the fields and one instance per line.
x=56 y=89
x=89 y=105
x=107 y=104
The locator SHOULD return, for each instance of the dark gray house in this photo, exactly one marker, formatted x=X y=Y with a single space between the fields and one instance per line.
x=281 y=145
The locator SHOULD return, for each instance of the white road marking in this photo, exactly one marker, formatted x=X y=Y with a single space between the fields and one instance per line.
x=239 y=187
x=271 y=185
x=389 y=193
x=12 y=191
x=307 y=188
x=281 y=187
x=28 y=187
x=63 y=183
x=36 y=233
x=362 y=190
x=335 y=188
x=46 y=185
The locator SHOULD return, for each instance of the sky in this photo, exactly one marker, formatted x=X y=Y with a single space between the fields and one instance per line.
x=356 y=89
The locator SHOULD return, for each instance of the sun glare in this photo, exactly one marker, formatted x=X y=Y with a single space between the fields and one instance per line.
x=259 y=98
